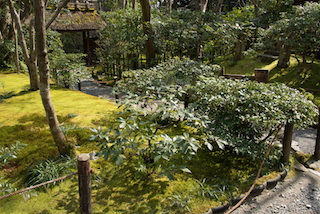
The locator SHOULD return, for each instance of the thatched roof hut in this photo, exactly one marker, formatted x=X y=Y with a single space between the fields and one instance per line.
x=78 y=21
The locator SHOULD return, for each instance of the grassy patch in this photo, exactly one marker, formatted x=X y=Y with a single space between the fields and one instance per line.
x=245 y=66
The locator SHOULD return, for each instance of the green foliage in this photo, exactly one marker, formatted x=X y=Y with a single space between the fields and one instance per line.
x=4 y=94
x=241 y=112
x=238 y=113
x=183 y=32
x=176 y=77
x=65 y=128
x=6 y=154
x=299 y=29
x=140 y=135
x=66 y=68
x=50 y=169
x=122 y=36
x=6 y=51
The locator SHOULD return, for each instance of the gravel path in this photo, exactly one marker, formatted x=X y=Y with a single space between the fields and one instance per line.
x=297 y=195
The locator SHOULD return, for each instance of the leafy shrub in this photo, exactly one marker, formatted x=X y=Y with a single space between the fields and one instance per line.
x=68 y=69
x=176 y=77
x=4 y=94
x=6 y=50
x=50 y=169
x=245 y=114
x=6 y=154
x=241 y=114
x=65 y=128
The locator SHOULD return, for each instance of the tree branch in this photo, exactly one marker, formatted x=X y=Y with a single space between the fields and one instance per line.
x=62 y=4
x=258 y=174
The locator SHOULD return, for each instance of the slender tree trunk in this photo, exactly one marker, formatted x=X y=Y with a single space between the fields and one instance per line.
x=219 y=6
x=203 y=6
x=284 y=56
x=169 y=5
x=16 y=47
x=134 y=4
x=34 y=84
x=123 y=4
x=43 y=63
x=33 y=57
x=199 y=51
x=239 y=47
x=286 y=143
x=147 y=29
x=175 y=4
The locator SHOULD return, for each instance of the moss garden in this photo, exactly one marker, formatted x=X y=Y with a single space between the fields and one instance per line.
x=154 y=157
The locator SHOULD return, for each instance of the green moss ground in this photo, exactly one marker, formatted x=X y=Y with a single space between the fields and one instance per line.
x=288 y=76
x=22 y=118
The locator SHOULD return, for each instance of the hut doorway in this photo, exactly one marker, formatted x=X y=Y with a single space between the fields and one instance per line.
x=81 y=42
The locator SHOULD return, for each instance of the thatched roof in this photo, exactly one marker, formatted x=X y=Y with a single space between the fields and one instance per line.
x=78 y=21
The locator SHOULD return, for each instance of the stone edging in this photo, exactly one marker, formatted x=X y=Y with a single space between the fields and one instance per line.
x=256 y=191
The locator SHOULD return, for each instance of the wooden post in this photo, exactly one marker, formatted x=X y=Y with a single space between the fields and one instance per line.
x=261 y=75
x=115 y=78
x=84 y=184
x=317 y=148
x=186 y=100
x=223 y=72
x=79 y=85
x=286 y=143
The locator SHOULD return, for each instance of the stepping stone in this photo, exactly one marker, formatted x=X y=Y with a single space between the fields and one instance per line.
x=300 y=167
x=315 y=165
x=295 y=146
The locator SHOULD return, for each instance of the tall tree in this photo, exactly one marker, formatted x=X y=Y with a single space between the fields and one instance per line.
x=30 y=59
x=300 y=30
x=43 y=63
x=147 y=29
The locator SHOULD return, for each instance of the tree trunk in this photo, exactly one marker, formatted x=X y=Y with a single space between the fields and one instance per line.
x=16 y=47
x=239 y=47
x=284 y=56
x=147 y=29
x=34 y=84
x=123 y=4
x=286 y=143
x=43 y=63
x=203 y=5
x=199 y=51
x=34 y=79
x=169 y=5
x=219 y=6
x=175 y=4
x=134 y=4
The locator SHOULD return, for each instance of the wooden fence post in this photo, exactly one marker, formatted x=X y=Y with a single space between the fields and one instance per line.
x=84 y=184
x=79 y=85
x=186 y=100
x=261 y=75
x=115 y=78
x=286 y=143
x=317 y=148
